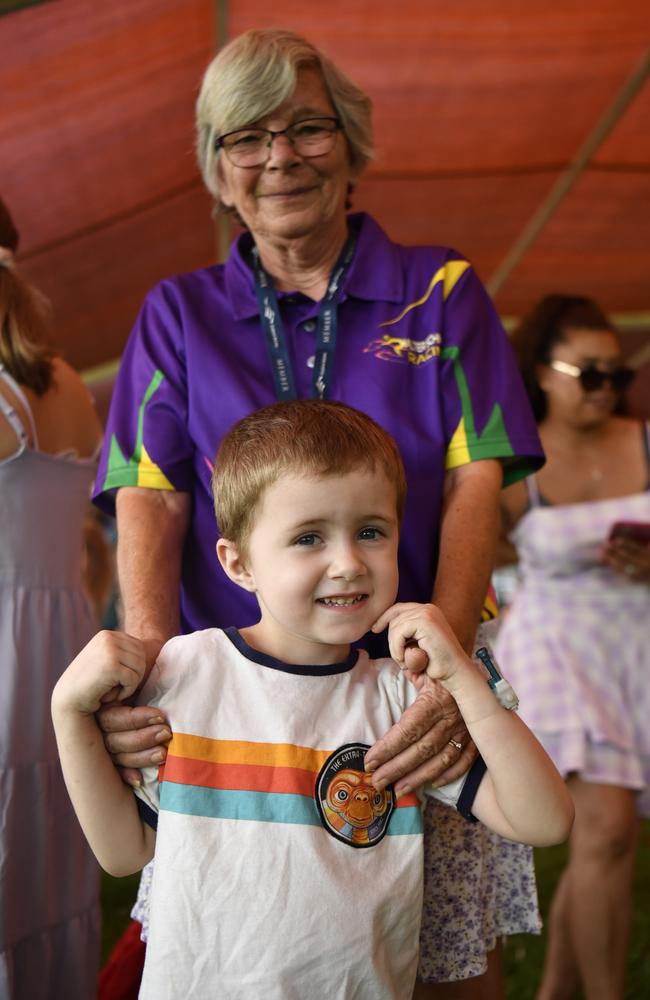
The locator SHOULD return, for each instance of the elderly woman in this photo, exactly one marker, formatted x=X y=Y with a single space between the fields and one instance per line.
x=315 y=302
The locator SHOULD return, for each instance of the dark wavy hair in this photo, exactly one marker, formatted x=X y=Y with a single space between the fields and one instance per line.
x=546 y=325
x=24 y=319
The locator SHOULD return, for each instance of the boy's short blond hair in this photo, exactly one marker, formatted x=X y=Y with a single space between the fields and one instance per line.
x=309 y=437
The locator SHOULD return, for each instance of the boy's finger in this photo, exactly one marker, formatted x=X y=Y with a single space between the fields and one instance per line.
x=384 y=620
x=415 y=658
x=390 y=615
x=112 y=695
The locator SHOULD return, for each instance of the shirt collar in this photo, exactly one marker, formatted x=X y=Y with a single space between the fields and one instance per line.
x=305 y=670
x=375 y=273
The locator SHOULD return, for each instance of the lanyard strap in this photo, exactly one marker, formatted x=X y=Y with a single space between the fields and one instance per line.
x=276 y=341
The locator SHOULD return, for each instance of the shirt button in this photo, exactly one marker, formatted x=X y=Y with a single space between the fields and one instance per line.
x=311 y=361
x=310 y=326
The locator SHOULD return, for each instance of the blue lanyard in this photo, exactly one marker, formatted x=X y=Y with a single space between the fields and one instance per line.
x=285 y=386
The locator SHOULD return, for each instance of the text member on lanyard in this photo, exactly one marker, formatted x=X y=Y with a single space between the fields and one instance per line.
x=276 y=341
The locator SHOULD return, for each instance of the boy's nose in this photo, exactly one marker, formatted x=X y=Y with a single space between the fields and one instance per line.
x=346 y=563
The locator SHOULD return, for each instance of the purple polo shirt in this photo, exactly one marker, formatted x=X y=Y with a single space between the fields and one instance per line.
x=419 y=347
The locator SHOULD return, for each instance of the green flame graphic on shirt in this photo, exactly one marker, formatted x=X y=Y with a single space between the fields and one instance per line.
x=466 y=444
x=139 y=469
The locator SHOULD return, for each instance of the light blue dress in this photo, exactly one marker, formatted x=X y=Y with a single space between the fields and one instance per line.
x=49 y=880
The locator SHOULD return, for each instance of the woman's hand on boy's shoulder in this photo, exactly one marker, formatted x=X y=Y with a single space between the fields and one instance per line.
x=135 y=736
x=109 y=668
x=428 y=745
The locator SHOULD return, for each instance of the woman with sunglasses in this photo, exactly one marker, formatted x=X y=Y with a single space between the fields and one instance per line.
x=574 y=643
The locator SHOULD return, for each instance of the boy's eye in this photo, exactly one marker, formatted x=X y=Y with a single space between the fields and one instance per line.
x=370 y=534
x=309 y=539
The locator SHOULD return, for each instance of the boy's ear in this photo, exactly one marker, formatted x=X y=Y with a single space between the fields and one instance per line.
x=233 y=564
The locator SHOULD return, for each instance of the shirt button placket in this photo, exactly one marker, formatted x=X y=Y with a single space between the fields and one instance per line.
x=309 y=326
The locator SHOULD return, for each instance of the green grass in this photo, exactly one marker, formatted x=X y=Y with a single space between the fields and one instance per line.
x=523 y=953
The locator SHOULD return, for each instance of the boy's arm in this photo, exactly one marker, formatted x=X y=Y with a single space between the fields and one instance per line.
x=111 y=665
x=522 y=796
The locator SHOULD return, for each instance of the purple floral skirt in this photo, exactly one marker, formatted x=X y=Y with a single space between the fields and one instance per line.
x=477 y=887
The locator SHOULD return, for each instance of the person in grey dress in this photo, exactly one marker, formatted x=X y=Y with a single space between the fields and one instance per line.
x=49 y=433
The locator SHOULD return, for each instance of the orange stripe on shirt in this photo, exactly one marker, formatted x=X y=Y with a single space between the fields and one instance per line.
x=244 y=752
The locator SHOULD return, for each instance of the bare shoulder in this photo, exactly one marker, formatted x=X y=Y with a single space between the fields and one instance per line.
x=68 y=385
x=626 y=428
x=66 y=380
x=66 y=416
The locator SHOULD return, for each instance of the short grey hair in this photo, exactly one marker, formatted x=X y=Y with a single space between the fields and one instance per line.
x=253 y=74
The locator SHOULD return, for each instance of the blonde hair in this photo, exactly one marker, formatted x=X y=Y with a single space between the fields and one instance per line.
x=24 y=318
x=253 y=75
x=304 y=437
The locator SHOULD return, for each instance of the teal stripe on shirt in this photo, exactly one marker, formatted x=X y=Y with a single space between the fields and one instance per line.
x=220 y=803
x=407 y=820
x=263 y=807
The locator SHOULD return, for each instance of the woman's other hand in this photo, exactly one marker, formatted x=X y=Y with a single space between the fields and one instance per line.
x=430 y=743
x=628 y=557
x=135 y=737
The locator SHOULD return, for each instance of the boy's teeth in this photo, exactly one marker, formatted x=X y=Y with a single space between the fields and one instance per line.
x=341 y=601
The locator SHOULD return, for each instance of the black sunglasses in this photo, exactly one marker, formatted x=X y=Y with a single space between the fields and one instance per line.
x=592 y=378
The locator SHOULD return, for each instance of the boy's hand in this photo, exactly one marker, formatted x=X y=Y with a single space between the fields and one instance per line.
x=109 y=668
x=419 y=638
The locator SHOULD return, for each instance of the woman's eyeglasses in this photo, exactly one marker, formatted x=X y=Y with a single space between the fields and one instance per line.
x=592 y=378
x=251 y=147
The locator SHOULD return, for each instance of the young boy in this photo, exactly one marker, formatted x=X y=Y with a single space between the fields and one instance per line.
x=280 y=870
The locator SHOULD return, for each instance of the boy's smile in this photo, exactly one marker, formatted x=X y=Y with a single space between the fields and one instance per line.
x=322 y=561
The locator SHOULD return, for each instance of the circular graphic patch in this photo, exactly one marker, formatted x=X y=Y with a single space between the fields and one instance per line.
x=350 y=808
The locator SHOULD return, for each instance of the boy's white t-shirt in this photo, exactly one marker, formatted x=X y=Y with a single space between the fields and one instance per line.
x=279 y=871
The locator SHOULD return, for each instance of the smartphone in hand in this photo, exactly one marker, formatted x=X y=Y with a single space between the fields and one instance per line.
x=636 y=531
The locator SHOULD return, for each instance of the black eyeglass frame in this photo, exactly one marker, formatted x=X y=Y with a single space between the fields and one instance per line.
x=592 y=378
x=272 y=134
